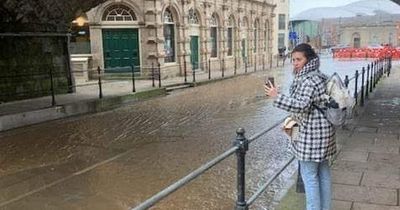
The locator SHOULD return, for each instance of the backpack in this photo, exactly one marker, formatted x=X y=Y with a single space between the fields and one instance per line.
x=339 y=103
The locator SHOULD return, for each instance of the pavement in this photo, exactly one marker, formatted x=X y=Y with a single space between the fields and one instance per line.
x=86 y=98
x=366 y=173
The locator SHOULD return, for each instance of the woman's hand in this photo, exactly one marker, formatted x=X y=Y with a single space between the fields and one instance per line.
x=270 y=90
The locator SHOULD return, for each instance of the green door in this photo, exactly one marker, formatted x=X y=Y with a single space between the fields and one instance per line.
x=121 y=49
x=194 y=49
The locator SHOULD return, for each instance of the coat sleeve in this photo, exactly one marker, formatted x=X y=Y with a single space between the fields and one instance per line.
x=300 y=101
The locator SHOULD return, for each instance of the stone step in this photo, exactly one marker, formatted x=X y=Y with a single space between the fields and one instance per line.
x=176 y=87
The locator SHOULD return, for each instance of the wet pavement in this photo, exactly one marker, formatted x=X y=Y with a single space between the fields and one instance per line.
x=117 y=159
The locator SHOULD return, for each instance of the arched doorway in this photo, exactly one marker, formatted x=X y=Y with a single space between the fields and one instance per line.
x=194 y=33
x=120 y=45
x=356 y=40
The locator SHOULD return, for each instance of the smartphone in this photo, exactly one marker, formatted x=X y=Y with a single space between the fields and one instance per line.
x=272 y=80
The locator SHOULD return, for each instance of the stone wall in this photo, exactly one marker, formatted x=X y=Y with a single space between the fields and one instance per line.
x=25 y=65
x=33 y=40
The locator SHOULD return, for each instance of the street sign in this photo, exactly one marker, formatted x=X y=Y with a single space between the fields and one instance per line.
x=292 y=35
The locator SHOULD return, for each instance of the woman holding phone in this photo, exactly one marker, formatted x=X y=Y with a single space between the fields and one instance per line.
x=316 y=143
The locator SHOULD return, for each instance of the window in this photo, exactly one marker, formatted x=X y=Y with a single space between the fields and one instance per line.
x=265 y=40
x=169 y=37
x=214 y=36
x=119 y=13
x=230 y=36
x=193 y=18
x=282 y=22
x=255 y=35
x=281 y=40
x=80 y=36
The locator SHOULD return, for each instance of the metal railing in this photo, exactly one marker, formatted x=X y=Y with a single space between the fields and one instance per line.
x=240 y=147
x=241 y=144
x=215 y=67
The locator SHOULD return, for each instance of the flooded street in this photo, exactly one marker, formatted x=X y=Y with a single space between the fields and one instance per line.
x=119 y=158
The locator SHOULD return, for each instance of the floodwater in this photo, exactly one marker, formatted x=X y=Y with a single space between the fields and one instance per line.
x=119 y=158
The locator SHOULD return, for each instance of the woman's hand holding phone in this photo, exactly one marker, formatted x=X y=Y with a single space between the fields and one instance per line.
x=269 y=88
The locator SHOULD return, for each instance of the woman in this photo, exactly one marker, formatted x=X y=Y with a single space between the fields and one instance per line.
x=316 y=143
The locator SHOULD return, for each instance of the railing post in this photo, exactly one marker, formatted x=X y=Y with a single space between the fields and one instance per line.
x=53 y=98
x=223 y=68
x=159 y=75
x=234 y=73
x=184 y=68
x=243 y=145
x=263 y=62
x=133 y=78
x=355 y=87
x=245 y=65
x=371 y=79
x=346 y=81
x=375 y=72
x=152 y=74
x=255 y=62
x=362 y=86
x=367 y=83
x=209 y=69
x=100 y=88
x=193 y=74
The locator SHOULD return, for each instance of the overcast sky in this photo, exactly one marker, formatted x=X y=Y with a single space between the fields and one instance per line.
x=297 y=6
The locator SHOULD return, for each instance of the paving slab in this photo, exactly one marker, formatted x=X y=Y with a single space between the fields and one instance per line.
x=366 y=206
x=346 y=177
x=378 y=179
x=373 y=195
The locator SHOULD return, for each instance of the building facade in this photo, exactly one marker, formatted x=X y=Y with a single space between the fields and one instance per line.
x=180 y=36
x=281 y=26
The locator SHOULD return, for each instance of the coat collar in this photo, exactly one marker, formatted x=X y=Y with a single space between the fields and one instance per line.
x=312 y=65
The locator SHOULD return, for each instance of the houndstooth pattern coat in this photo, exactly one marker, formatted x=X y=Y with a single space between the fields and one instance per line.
x=316 y=140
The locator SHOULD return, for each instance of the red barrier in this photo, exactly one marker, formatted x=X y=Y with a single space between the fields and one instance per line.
x=367 y=52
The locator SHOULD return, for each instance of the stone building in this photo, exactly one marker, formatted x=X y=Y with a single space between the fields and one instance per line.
x=178 y=34
x=370 y=31
x=281 y=26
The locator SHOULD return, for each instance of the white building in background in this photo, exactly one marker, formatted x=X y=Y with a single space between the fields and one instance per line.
x=281 y=23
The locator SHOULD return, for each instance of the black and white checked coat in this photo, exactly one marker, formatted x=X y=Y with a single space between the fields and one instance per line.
x=316 y=140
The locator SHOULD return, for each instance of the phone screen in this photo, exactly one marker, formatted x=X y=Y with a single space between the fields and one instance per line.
x=272 y=80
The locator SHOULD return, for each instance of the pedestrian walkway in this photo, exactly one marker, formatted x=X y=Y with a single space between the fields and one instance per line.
x=86 y=97
x=366 y=173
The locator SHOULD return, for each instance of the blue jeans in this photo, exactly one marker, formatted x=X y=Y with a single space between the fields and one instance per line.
x=317 y=183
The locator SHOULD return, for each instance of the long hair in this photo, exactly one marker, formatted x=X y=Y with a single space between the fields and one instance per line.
x=308 y=51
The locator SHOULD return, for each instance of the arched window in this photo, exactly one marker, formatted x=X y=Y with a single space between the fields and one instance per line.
x=230 y=35
x=169 y=36
x=266 y=35
x=192 y=17
x=214 y=35
x=119 y=13
x=256 y=28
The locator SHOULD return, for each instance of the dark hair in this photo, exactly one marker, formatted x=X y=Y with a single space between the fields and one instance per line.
x=308 y=51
